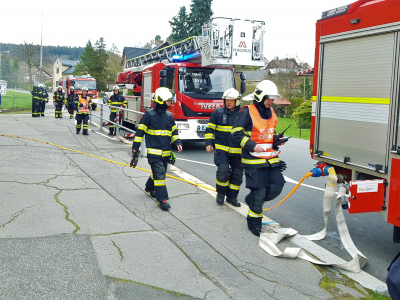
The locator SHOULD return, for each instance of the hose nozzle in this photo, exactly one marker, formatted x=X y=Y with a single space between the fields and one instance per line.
x=320 y=170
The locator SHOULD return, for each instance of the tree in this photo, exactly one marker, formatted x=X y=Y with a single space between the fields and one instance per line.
x=6 y=66
x=179 y=25
x=86 y=60
x=157 y=38
x=306 y=88
x=29 y=53
x=302 y=115
x=200 y=13
x=100 y=63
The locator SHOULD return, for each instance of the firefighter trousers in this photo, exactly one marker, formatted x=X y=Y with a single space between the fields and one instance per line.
x=113 y=118
x=265 y=184
x=58 y=109
x=42 y=106
x=156 y=181
x=229 y=175
x=35 y=107
x=70 y=108
x=82 y=118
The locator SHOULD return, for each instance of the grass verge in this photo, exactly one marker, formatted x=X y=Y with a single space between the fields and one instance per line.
x=293 y=131
x=16 y=100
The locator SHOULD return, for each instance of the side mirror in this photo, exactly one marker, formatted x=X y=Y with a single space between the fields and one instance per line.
x=242 y=87
x=242 y=76
x=163 y=73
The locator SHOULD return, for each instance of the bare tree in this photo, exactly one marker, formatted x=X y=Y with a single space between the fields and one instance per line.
x=29 y=53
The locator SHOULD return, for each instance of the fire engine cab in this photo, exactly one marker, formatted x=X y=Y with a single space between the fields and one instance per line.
x=198 y=69
x=355 y=111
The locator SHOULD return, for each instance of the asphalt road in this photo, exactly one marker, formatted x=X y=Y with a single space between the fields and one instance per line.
x=303 y=211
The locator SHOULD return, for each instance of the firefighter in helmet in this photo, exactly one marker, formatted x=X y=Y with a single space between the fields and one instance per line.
x=161 y=132
x=227 y=154
x=83 y=106
x=36 y=97
x=44 y=98
x=58 y=100
x=70 y=102
x=254 y=130
x=115 y=100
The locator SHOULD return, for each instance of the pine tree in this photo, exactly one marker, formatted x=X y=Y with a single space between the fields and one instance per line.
x=200 y=13
x=86 y=60
x=100 y=64
x=179 y=24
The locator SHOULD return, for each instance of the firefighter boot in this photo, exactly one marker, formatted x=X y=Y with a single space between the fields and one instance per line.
x=164 y=205
x=85 y=132
x=254 y=225
x=152 y=193
x=111 y=131
x=78 y=130
x=233 y=201
x=220 y=199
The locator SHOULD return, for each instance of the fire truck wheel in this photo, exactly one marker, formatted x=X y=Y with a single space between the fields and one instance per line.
x=396 y=234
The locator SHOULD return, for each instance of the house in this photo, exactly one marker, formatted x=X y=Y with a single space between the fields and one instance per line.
x=62 y=68
x=255 y=76
x=281 y=65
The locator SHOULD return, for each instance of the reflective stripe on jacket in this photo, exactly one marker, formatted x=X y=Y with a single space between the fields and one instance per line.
x=85 y=108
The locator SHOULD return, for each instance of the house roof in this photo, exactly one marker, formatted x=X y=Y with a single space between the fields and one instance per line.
x=282 y=101
x=68 y=62
x=287 y=63
x=255 y=75
x=70 y=70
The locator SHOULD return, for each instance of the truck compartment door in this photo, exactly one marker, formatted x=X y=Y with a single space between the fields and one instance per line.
x=147 y=78
x=366 y=196
x=354 y=100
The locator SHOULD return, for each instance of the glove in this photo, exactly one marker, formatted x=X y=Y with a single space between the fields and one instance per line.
x=172 y=158
x=135 y=159
x=282 y=166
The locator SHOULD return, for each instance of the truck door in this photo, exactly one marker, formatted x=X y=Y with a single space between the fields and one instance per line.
x=147 y=79
x=354 y=100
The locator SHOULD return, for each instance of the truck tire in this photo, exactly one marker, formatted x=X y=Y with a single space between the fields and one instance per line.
x=396 y=234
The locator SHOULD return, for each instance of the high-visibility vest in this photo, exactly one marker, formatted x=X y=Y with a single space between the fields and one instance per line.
x=263 y=133
x=85 y=108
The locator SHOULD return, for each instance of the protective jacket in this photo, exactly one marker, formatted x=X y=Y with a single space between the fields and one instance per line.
x=218 y=131
x=72 y=97
x=58 y=96
x=264 y=121
x=36 y=92
x=44 y=95
x=116 y=100
x=161 y=132
x=83 y=105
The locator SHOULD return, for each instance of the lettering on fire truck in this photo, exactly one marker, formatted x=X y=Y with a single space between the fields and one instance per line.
x=209 y=105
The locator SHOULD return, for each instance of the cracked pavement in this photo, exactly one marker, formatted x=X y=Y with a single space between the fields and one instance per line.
x=77 y=227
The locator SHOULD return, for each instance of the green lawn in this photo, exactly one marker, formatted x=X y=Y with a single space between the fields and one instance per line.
x=293 y=131
x=16 y=100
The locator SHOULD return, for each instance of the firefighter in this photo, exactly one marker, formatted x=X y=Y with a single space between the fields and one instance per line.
x=58 y=100
x=254 y=130
x=161 y=132
x=227 y=154
x=83 y=105
x=70 y=102
x=35 y=101
x=44 y=98
x=115 y=100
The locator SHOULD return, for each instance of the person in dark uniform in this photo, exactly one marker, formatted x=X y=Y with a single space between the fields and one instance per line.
x=70 y=102
x=83 y=106
x=115 y=100
x=44 y=98
x=161 y=132
x=227 y=156
x=58 y=101
x=254 y=130
x=36 y=96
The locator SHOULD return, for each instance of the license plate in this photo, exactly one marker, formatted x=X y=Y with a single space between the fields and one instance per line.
x=201 y=128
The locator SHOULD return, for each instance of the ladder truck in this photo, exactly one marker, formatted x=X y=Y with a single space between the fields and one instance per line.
x=355 y=108
x=198 y=69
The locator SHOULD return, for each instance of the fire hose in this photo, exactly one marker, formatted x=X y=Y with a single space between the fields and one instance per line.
x=268 y=241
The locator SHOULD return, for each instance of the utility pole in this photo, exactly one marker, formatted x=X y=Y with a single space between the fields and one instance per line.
x=41 y=50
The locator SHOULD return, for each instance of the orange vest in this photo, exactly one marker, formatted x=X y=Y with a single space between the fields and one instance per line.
x=85 y=108
x=263 y=133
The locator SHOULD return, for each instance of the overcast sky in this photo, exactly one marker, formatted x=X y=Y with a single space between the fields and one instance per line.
x=290 y=24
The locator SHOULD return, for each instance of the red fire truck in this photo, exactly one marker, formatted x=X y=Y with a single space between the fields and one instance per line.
x=81 y=81
x=198 y=70
x=355 y=111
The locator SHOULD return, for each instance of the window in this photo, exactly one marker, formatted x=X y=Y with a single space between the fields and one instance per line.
x=58 y=71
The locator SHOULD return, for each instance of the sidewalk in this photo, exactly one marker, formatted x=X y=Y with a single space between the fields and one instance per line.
x=77 y=227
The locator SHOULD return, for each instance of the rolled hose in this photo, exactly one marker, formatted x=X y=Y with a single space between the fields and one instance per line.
x=308 y=174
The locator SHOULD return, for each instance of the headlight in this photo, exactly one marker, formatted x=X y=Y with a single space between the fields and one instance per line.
x=183 y=126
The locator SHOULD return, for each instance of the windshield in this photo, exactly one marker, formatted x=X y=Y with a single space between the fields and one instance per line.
x=90 y=84
x=205 y=83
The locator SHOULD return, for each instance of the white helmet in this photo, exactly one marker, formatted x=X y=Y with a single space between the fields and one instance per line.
x=116 y=87
x=84 y=89
x=265 y=88
x=59 y=87
x=40 y=85
x=163 y=94
x=72 y=87
x=231 y=94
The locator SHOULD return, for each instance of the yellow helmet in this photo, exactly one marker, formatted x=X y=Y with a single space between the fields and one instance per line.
x=163 y=94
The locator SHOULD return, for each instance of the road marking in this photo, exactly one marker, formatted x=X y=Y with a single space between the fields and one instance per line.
x=197 y=162
x=104 y=135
